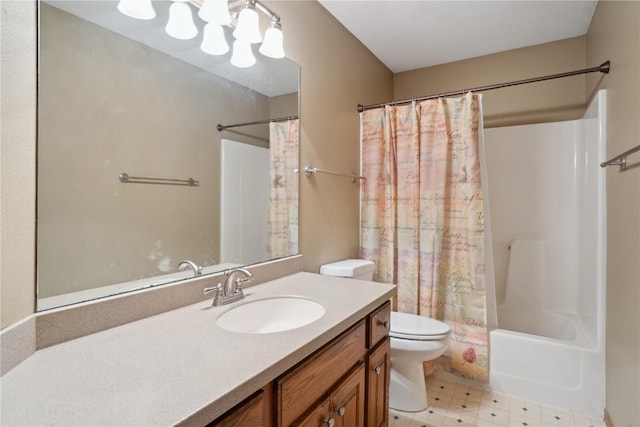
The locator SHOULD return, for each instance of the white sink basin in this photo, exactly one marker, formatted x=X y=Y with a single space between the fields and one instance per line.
x=271 y=315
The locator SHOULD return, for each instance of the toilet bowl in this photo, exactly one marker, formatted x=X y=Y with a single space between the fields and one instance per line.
x=414 y=340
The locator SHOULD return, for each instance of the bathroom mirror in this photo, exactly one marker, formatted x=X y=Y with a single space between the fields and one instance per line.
x=117 y=95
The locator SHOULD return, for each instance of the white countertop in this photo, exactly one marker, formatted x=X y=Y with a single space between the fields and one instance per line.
x=177 y=366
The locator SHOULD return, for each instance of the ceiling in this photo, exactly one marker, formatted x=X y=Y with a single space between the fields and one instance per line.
x=406 y=35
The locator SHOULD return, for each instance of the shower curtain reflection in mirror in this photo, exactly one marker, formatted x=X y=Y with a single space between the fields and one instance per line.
x=283 y=189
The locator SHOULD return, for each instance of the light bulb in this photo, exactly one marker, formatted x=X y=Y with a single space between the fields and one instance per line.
x=248 y=29
x=180 y=25
x=272 y=44
x=139 y=9
x=242 y=56
x=213 y=41
x=215 y=11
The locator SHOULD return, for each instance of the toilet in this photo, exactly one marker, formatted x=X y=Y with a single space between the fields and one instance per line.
x=414 y=340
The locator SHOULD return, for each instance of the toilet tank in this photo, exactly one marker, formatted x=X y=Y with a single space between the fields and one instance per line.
x=361 y=269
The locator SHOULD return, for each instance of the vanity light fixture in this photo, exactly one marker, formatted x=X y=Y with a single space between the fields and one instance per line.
x=139 y=9
x=248 y=28
x=242 y=56
x=215 y=11
x=272 y=44
x=213 y=40
x=180 y=25
x=216 y=14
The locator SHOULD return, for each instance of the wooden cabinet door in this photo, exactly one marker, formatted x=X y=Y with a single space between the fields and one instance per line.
x=319 y=417
x=378 y=376
x=347 y=401
x=250 y=413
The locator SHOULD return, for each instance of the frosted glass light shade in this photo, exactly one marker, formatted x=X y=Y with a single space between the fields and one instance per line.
x=215 y=11
x=180 y=25
x=139 y=9
x=248 y=29
x=272 y=44
x=213 y=41
x=242 y=56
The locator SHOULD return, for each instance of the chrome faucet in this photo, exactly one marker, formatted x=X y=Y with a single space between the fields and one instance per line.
x=197 y=270
x=232 y=289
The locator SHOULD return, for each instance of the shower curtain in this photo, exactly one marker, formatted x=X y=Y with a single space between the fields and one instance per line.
x=283 y=189
x=422 y=220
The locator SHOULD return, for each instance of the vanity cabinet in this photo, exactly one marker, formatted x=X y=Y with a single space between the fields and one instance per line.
x=378 y=377
x=250 y=413
x=379 y=367
x=344 y=384
x=344 y=407
x=320 y=375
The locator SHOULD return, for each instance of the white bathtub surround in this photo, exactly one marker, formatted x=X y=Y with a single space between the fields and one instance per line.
x=546 y=194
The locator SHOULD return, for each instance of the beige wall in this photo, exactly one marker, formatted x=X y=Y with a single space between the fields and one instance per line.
x=615 y=34
x=283 y=106
x=561 y=99
x=337 y=73
x=17 y=160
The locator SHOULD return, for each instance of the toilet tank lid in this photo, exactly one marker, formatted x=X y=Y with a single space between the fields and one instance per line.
x=347 y=267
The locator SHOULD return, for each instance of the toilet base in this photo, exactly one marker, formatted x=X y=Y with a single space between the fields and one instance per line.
x=407 y=391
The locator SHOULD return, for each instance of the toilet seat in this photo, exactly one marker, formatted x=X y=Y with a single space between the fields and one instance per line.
x=418 y=328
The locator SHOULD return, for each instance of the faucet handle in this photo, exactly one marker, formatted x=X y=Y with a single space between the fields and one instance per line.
x=233 y=283
x=242 y=280
x=217 y=288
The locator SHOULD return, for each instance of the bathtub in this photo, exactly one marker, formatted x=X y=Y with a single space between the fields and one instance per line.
x=552 y=371
x=547 y=214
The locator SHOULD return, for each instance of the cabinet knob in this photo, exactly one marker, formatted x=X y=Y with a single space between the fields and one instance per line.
x=377 y=370
x=385 y=324
x=329 y=422
x=340 y=411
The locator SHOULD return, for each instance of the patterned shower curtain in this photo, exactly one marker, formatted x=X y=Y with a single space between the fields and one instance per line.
x=422 y=218
x=283 y=189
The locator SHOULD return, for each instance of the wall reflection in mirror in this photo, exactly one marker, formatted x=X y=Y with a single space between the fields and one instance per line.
x=117 y=95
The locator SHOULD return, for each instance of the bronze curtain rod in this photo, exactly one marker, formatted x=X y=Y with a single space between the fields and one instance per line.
x=257 y=122
x=603 y=68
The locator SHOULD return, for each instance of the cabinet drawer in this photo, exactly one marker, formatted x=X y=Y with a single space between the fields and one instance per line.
x=379 y=322
x=305 y=384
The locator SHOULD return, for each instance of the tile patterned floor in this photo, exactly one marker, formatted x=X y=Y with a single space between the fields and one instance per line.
x=454 y=404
